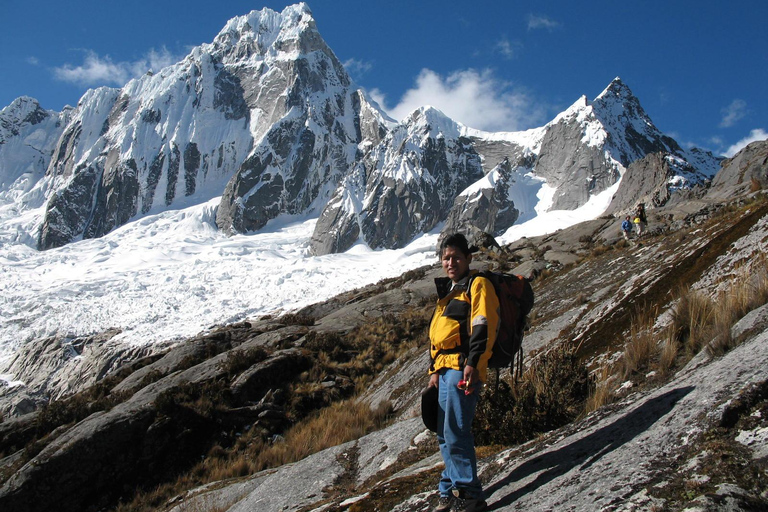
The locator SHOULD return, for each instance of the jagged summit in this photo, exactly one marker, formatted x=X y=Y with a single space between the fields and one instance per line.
x=432 y=121
x=617 y=89
x=23 y=110
x=267 y=32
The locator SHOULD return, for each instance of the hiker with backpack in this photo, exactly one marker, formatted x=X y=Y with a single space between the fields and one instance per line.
x=641 y=221
x=462 y=334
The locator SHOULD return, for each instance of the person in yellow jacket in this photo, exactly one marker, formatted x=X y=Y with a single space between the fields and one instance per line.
x=462 y=334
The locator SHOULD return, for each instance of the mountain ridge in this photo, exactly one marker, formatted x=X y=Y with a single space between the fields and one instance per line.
x=266 y=119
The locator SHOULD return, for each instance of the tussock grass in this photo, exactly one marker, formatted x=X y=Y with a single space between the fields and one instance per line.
x=341 y=422
x=692 y=319
x=337 y=424
x=698 y=322
x=604 y=391
x=668 y=355
x=641 y=345
x=749 y=291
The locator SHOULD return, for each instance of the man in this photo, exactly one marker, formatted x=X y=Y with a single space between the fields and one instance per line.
x=462 y=334
x=626 y=228
x=640 y=219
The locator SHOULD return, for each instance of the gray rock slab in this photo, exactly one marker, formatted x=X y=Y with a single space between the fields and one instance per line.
x=608 y=458
x=380 y=450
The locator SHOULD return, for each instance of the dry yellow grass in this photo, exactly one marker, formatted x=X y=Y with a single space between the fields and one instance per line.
x=641 y=346
x=692 y=319
x=748 y=291
x=334 y=425
x=604 y=391
x=698 y=322
x=670 y=349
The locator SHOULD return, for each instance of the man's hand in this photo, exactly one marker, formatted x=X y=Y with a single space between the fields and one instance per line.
x=433 y=380
x=471 y=380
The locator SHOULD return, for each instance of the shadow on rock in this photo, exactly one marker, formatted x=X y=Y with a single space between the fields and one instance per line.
x=588 y=450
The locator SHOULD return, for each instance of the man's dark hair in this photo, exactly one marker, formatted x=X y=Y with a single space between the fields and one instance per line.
x=457 y=241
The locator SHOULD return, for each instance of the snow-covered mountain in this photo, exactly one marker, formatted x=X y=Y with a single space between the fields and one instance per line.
x=28 y=136
x=260 y=136
x=403 y=187
x=266 y=119
x=408 y=183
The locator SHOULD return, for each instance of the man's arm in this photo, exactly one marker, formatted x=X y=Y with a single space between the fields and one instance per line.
x=484 y=321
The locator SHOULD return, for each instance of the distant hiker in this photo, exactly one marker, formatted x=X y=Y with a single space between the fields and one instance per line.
x=626 y=228
x=461 y=335
x=640 y=219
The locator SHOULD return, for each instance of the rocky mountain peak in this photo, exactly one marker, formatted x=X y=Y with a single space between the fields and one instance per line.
x=617 y=89
x=269 y=32
x=23 y=110
x=432 y=122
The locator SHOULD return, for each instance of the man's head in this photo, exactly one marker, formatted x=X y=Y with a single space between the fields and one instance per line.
x=455 y=256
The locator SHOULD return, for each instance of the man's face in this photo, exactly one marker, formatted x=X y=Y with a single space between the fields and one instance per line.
x=455 y=263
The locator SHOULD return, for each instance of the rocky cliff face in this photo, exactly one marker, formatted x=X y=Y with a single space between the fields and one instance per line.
x=487 y=207
x=747 y=170
x=654 y=180
x=28 y=136
x=404 y=186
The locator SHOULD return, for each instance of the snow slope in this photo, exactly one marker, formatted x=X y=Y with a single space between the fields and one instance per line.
x=172 y=275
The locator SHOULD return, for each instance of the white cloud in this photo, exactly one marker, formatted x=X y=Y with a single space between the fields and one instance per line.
x=97 y=70
x=509 y=49
x=754 y=136
x=357 y=68
x=733 y=113
x=535 y=22
x=378 y=96
x=475 y=99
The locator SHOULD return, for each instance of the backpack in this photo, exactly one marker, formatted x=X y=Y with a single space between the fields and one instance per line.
x=515 y=302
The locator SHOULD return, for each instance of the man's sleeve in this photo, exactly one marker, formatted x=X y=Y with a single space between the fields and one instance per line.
x=484 y=321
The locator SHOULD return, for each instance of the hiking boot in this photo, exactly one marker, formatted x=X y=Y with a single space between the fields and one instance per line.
x=443 y=504
x=464 y=503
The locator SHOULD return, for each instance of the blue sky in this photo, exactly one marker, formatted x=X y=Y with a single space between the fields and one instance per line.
x=700 y=69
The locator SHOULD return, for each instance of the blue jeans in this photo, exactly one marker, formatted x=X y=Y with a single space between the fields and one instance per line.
x=454 y=434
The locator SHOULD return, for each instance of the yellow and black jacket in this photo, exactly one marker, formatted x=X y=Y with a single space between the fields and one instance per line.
x=463 y=330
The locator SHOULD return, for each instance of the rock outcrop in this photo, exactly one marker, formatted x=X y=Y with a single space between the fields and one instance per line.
x=655 y=180
x=405 y=186
x=746 y=171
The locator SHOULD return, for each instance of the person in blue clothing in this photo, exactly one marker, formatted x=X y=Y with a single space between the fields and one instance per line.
x=626 y=227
